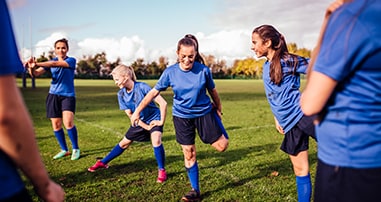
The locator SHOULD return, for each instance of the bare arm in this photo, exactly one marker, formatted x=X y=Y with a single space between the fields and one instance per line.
x=19 y=143
x=146 y=100
x=278 y=126
x=216 y=101
x=316 y=95
x=37 y=68
x=140 y=123
x=163 y=110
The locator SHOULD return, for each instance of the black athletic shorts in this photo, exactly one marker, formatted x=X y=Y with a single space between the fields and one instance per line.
x=207 y=128
x=140 y=134
x=297 y=139
x=56 y=104
x=22 y=196
x=334 y=183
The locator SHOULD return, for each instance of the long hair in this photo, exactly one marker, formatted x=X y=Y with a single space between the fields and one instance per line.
x=124 y=70
x=198 y=56
x=278 y=44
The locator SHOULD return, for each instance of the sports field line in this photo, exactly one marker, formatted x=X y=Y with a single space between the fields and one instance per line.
x=111 y=130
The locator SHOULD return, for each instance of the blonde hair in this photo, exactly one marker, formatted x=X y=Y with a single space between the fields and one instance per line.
x=124 y=70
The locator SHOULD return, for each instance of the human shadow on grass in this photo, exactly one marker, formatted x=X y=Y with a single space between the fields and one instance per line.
x=265 y=170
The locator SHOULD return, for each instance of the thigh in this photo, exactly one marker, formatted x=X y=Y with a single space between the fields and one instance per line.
x=208 y=128
x=295 y=141
x=68 y=104
x=185 y=130
x=53 y=106
x=138 y=134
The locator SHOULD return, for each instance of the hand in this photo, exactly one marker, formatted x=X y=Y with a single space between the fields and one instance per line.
x=155 y=123
x=279 y=129
x=51 y=193
x=134 y=119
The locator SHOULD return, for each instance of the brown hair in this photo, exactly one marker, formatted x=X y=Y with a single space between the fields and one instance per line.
x=63 y=40
x=198 y=56
x=278 y=43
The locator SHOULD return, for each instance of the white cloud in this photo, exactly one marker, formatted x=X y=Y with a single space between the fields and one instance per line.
x=231 y=39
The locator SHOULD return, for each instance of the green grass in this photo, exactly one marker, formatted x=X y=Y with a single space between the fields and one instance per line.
x=242 y=173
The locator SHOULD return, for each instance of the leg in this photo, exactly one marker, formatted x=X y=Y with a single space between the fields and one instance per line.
x=303 y=179
x=221 y=144
x=159 y=152
x=68 y=120
x=60 y=136
x=191 y=166
x=115 y=152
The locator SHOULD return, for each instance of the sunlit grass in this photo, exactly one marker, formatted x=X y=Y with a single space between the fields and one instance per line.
x=242 y=173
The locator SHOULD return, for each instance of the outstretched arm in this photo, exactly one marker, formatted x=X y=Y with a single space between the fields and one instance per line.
x=19 y=143
x=140 y=123
x=146 y=100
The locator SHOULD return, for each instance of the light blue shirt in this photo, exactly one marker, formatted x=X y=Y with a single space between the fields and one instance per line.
x=131 y=100
x=190 y=99
x=350 y=134
x=284 y=98
x=63 y=78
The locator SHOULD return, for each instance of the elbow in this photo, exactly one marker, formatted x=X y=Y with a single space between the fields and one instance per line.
x=308 y=107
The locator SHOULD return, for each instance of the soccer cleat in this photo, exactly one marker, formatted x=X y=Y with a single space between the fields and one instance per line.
x=162 y=176
x=76 y=154
x=61 y=154
x=191 y=196
x=97 y=165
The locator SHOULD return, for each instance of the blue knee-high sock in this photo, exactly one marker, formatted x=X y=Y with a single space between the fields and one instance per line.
x=73 y=135
x=115 y=152
x=303 y=186
x=60 y=135
x=160 y=156
x=193 y=176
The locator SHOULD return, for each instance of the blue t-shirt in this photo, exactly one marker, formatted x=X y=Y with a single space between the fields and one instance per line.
x=350 y=134
x=63 y=78
x=189 y=87
x=131 y=100
x=284 y=98
x=10 y=63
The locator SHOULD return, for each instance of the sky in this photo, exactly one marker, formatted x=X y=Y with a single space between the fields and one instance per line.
x=149 y=29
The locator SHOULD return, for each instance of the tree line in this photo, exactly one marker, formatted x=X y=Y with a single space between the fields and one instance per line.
x=98 y=67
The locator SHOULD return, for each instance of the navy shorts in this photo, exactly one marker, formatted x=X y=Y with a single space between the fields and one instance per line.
x=23 y=196
x=335 y=183
x=207 y=127
x=56 y=104
x=140 y=134
x=297 y=139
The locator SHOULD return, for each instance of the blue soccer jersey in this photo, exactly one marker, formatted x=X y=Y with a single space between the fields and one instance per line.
x=131 y=100
x=284 y=98
x=350 y=133
x=190 y=98
x=10 y=63
x=63 y=78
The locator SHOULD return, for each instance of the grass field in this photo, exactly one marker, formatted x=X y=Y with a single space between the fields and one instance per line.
x=243 y=173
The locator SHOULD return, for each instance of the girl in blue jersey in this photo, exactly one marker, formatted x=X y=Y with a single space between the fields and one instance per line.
x=151 y=119
x=60 y=102
x=344 y=88
x=281 y=78
x=18 y=146
x=192 y=108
